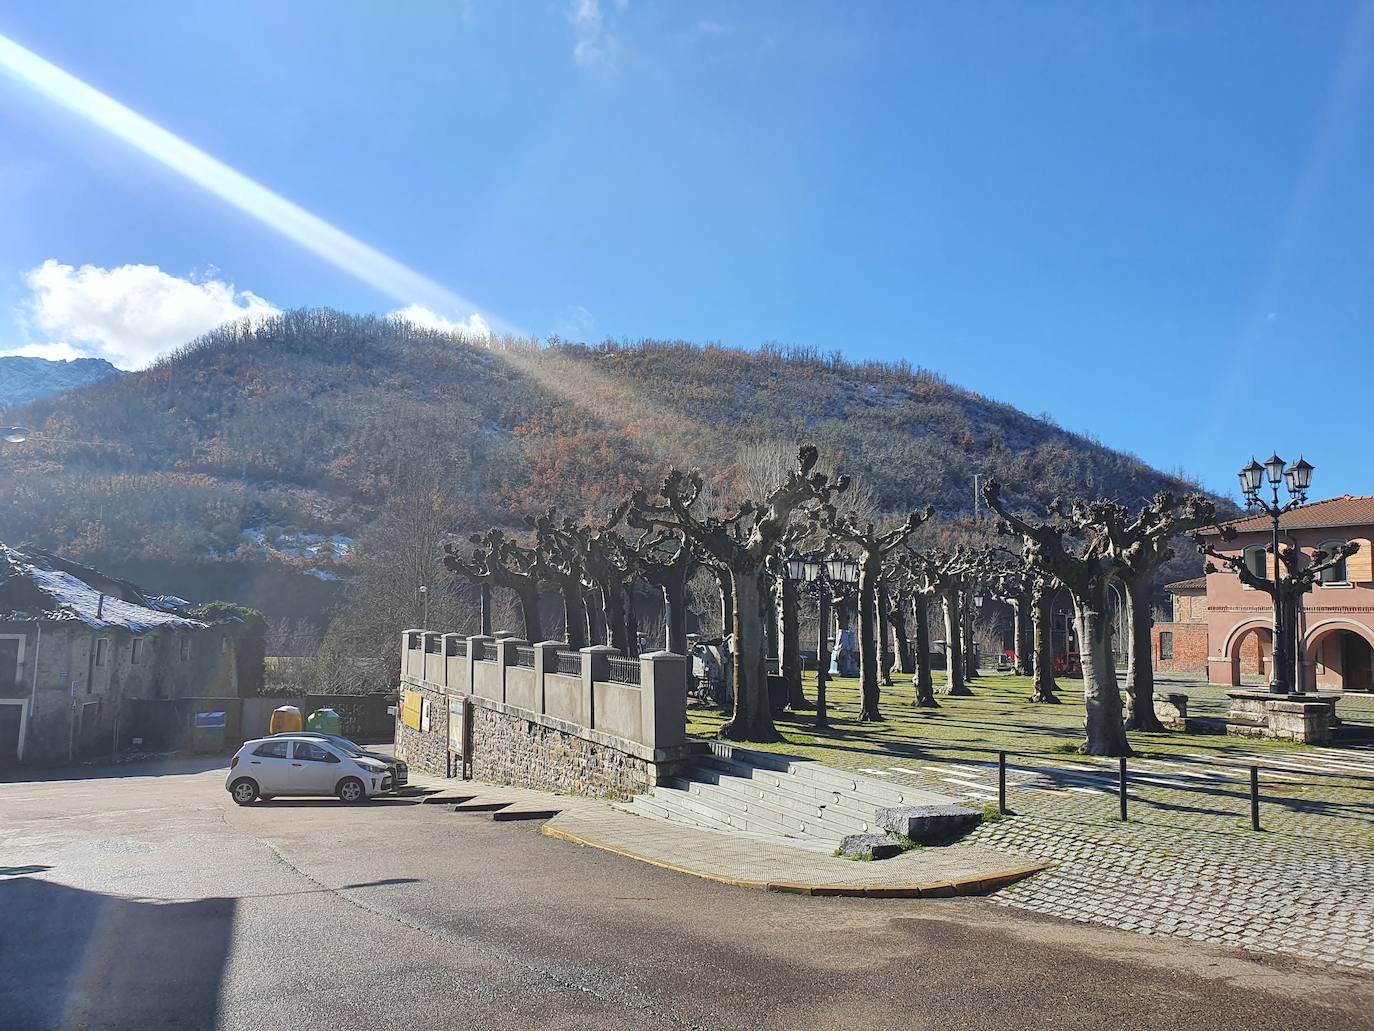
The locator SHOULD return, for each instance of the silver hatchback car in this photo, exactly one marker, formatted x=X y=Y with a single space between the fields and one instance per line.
x=285 y=765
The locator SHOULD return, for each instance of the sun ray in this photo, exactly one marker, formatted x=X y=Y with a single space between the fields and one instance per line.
x=365 y=263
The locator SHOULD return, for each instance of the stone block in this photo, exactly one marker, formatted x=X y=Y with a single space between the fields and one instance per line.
x=928 y=823
x=869 y=846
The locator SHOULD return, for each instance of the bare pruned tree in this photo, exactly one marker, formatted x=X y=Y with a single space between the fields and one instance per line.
x=873 y=548
x=1298 y=580
x=1087 y=571
x=500 y=561
x=741 y=542
x=1144 y=546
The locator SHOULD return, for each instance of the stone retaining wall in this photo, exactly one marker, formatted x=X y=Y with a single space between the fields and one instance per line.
x=537 y=727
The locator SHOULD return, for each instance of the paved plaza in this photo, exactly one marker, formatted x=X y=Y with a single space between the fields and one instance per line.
x=1186 y=864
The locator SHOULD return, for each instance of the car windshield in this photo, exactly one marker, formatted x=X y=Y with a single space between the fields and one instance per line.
x=345 y=745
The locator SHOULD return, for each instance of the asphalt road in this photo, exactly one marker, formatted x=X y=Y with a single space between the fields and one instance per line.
x=155 y=902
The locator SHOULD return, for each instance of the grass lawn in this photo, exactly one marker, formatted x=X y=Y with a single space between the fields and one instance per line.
x=998 y=717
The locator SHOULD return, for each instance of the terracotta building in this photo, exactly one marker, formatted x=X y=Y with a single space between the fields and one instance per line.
x=1335 y=631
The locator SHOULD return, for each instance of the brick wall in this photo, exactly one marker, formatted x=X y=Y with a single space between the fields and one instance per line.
x=1189 y=648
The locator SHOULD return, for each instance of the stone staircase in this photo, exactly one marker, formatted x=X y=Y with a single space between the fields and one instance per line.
x=795 y=801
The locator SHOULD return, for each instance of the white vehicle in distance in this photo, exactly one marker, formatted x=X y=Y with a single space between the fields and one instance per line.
x=284 y=765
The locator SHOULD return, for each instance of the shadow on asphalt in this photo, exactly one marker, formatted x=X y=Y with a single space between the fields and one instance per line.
x=278 y=802
x=161 y=767
x=75 y=958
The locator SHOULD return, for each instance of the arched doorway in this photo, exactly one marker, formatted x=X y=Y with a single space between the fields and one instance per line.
x=1251 y=651
x=1340 y=657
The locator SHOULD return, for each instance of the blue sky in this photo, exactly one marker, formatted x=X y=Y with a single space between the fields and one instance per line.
x=1152 y=221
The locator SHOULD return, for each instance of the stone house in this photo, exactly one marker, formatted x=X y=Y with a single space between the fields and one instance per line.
x=79 y=649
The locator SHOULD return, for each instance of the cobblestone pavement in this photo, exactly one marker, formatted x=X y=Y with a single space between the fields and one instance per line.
x=1187 y=863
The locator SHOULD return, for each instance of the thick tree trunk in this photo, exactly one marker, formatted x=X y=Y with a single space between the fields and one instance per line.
x=631 y=625
x=790 y=632
x=884 y=640
x=725 y=584
x=1020 y=614
x=954 y=645
x=1140 y=673
x=1106 y=735
x=968 y=622
x=925 y=684
x=484 y=609
x=868 y=645
x=769 y=585
x=674 y=588
x=529 y=608
x=752 y=720
x=574 y=614
x=902 y=664
x=596 y=618
x=1044 y=689
x=613 y=609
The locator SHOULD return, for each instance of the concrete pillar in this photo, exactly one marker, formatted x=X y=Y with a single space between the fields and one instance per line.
x=505 y=657
x=434 y=672
x=594 y=668
x=413 y=653
x=455 y=664
x=475 y=645
x=545 y=661
x=663 y=695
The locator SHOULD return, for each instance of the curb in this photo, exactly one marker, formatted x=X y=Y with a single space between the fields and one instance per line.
x=935 y=889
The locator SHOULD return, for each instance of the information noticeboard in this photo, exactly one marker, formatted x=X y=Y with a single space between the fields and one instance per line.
x=410 y=709
x=457 y=726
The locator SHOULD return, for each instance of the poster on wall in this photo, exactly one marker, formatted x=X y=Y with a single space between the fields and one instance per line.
x=424 y=715
x=457 y=726
x=410 y=709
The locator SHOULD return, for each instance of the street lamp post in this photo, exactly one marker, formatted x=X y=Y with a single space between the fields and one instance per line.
x=829 y=574
x=424 y=602
x=1298 y=477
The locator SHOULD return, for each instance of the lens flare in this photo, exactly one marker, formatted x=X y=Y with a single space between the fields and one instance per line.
x=345 y=252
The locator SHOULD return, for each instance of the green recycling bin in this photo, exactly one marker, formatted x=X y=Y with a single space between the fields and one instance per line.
x=325 y=721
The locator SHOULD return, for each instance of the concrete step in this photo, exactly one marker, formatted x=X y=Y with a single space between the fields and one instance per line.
x=733 y=813
x=839 y=818
x=763 y=815
x=825 y=784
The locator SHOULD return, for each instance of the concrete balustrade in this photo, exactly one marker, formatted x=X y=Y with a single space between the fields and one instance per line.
x=651 y=714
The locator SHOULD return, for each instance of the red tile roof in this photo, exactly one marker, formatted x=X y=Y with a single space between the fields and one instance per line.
x=1346 y=510
x=1197 y=583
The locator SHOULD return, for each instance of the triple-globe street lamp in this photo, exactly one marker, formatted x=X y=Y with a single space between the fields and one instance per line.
x=1298 y=477
x=831 y=575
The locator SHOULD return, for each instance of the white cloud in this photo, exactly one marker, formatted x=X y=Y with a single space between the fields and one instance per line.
x=593 y=45
x=419 y=315
x=131 y=314
x=57 y=351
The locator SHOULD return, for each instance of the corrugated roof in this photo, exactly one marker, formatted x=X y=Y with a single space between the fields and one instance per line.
x=1197 y=583
x=1346 y=510
x=32 y=586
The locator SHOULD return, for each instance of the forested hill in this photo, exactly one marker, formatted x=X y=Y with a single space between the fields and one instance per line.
x=24 y=379
x=281 y=443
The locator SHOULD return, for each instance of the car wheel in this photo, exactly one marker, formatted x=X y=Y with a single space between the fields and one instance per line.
x=244 y=791
x=351 y=790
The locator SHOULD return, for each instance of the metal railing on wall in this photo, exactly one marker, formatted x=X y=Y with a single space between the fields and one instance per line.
x=457 y=646
x=623 y=671
x=570 y=663
x=524 y=655
x=486 y=651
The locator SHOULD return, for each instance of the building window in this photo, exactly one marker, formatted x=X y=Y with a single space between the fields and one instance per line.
x=102 y=650
x=1337 y=574
x=185 y=649
x=136 y=652
x=1257 y=560
x=1166 y=644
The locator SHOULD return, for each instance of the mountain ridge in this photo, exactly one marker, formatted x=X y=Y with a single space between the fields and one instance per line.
x=25 y=378
x=319 y=422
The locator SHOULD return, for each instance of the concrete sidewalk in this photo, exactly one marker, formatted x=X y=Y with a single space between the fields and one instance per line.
x=738 y=859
